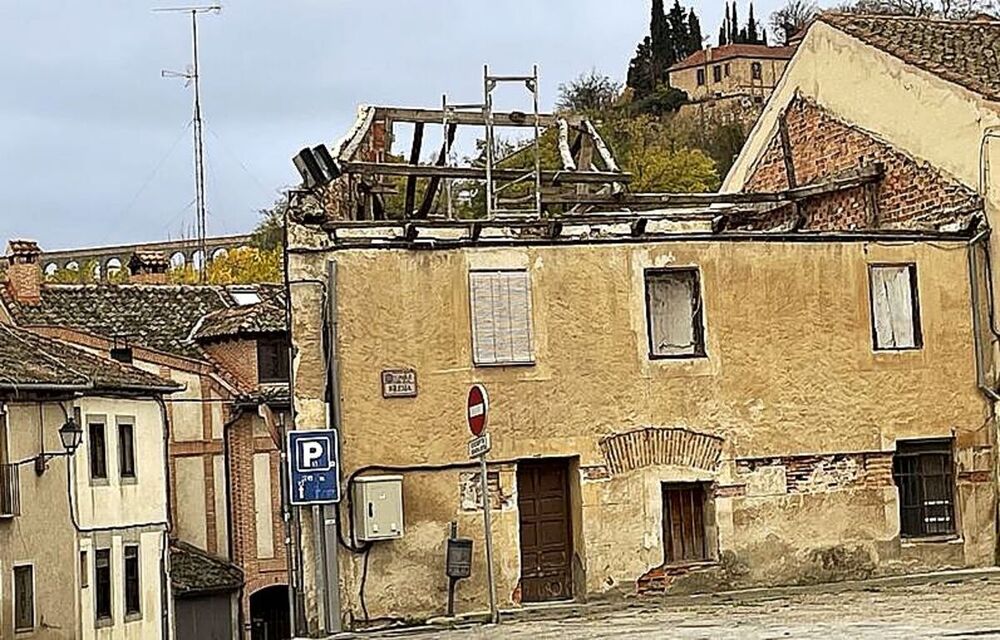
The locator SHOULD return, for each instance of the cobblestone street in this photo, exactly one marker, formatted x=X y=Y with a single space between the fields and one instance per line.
x=967 y=609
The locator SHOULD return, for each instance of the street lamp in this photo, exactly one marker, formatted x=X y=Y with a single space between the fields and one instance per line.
x=70 y=435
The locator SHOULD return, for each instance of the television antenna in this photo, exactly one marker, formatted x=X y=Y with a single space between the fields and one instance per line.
x=193 y=76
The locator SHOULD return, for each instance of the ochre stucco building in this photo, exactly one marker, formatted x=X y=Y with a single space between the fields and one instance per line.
x=750 y=70
x=736 y=396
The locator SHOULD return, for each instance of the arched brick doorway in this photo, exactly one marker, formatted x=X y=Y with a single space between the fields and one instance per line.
x=269 y=618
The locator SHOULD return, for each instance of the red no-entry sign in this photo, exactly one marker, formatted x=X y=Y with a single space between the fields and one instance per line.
x=477 y=408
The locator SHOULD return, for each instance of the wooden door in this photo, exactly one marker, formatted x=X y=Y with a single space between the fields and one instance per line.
x=684 y=523
x=546 y=544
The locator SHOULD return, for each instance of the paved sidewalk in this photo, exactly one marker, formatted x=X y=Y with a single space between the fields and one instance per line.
x=964 y=607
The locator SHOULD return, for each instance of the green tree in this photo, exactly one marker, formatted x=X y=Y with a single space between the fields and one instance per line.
x=673 y=36
x=270 y=230
x=591 y=92
x=658 y=158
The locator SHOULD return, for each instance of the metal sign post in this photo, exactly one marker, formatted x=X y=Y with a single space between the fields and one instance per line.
x=476 y=411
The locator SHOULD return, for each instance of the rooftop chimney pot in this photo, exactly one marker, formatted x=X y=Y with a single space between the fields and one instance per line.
x=24 y=274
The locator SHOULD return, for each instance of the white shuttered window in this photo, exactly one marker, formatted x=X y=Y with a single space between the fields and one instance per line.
x=895 y=312
x=501 y=317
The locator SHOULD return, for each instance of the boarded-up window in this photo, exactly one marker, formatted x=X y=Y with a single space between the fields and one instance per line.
x=24 y=598
x=674 y=313
x=923 y=472
x=501 y=317
x=684 y=523
x=895 y=308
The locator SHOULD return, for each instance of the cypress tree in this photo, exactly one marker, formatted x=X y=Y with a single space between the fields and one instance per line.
x=694 y=33
x=752 y=28
x=734 y=27
x=724 y=29
x=660 y=41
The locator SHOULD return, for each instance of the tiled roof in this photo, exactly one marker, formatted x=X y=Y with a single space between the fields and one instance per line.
x=30 y=359
x=196 y=572
x=966 y=53
x=731 y=51
x=159 y=317
x=250 y=320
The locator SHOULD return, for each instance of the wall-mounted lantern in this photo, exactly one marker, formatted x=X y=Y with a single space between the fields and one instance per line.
x=70 y=435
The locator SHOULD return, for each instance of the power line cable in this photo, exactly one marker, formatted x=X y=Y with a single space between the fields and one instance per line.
x=149 y=179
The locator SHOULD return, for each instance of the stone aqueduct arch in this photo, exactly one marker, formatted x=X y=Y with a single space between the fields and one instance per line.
x=112 y=258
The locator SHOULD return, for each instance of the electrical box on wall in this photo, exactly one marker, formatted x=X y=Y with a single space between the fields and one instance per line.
x=378 y=508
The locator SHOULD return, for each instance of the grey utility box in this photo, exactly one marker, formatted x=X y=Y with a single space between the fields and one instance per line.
x=378 y=508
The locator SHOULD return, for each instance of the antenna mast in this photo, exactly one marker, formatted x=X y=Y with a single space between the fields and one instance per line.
x=194 y=76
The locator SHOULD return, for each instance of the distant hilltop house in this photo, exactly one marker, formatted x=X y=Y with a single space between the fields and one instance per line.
x=746 y=70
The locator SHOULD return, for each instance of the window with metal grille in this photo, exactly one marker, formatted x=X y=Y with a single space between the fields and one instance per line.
x=756 y=72
x=674 y=313
x=701 y=77
x=126 y=449
x=501 y=317
x=684 y=523
x=717 y=73
x=924 y=473
x=98 y=451
x=132 y=591
x=272 y=359
x=24 y=598
x=102 y=585
x=895 y=307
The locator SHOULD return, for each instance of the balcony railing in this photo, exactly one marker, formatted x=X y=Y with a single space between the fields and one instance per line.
x=10 y=491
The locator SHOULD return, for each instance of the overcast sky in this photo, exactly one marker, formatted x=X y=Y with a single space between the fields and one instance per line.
x=95 y=147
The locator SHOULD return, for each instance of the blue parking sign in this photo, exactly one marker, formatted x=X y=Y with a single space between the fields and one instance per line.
x=313 y=466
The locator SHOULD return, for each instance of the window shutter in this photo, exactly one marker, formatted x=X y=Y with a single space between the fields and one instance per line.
x=501 y=317
x=892 y=307
x=672 y=302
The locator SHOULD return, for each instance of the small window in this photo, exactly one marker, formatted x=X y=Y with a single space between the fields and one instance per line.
x=272 y=359
x=244 y=296
x=701 y=77
x=98 y=451
x=755 y=71
x=684 y=523
x=727 y=69
x=500 y=304
x=717 y=73
x=895 y=308
x=674 y=313
x=126 y=449
x=24 y=598
x=102 y=585
x=923 y=472
x=84 y=571
x=132 y=591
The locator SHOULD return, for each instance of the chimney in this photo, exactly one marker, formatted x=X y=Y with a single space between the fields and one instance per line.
x=24 y=275
x=148 y=267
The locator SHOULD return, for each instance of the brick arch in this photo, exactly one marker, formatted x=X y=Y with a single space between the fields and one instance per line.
x=649 y=446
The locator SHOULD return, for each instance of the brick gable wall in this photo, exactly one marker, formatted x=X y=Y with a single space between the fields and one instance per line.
x=912 y=194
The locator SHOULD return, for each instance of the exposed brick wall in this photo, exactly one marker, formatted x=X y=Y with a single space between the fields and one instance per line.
x=238 y=358
x=653 y=445
x=911 y=194
x=258 y=572
x=822 y=473
x=24 y=280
